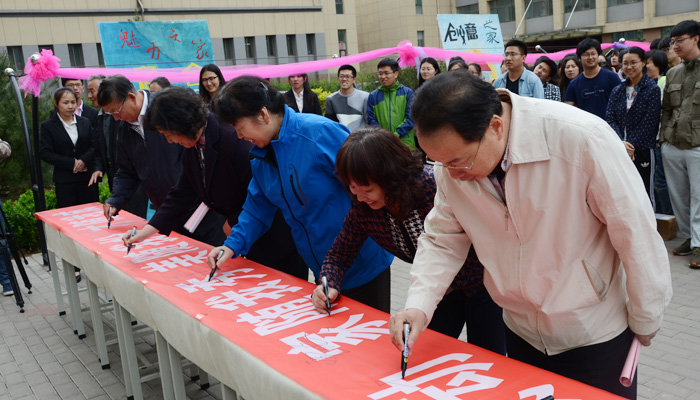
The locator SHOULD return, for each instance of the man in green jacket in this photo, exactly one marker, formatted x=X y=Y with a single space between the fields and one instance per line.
x=390 y=105
x=680 y=137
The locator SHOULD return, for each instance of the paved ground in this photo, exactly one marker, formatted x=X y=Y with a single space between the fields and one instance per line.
x=41 y=357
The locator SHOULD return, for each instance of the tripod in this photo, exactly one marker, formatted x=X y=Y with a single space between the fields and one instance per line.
x=8 y=246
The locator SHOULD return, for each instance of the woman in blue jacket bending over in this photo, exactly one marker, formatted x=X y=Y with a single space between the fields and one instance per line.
x=293 y=164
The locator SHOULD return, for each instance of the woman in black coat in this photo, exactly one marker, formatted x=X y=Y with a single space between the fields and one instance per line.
x=300 y=89
x=65 y=144
x=216 y=171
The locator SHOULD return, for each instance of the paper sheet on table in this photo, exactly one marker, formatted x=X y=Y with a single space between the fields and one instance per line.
x=196 y=218
x=630 y=364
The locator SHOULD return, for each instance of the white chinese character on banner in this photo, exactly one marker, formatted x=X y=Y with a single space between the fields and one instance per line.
x=153 y=241
x=328 y=339
x=538 y=392
x=222 y=279
x=231 y=300
x=109 y=239
x=290 y=314
x=464 y=373
x=171 y=250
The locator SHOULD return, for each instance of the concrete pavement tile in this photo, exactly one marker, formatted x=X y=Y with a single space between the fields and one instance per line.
x=44 y=390
x=19 y=390
x=69 y=391
x=60 y=378
x=51 y=368
x=667 y=388
x=116 y=391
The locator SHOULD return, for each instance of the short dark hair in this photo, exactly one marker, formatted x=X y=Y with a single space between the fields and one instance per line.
x=389 y=62
x=244 y=97
x=114 y=88
x=210 y=68
x=553 y=76
x=59 y=93
x=161 y=81
x=689 y=27
x=443 y=100
x=658 y=58
x=456 y=60
x=475 y=65
x=586 y=44
x=431 y=61
x=375 y=155
x=65 y=80
x=177 y=109
x=517 y=43
x=665 y=43
x=654 y=45
x=348 y=67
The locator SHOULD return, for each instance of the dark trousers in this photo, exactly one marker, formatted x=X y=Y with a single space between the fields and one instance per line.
x=663 y=202
x=597 y=365
x=74 y=193
x=645 y=162
x=484 y=319
x=375 y=293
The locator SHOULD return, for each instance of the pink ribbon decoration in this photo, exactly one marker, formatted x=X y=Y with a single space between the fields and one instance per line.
x=407 y=53
x=627 y=375
x=46 y=68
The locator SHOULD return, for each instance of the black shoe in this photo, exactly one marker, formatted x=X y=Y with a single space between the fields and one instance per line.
x=78 y=278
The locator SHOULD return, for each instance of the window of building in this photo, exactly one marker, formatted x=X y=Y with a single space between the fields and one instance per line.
x=539 y=8
x=612 y=3
x=470 y=9
x=50 y=47
x=636 y=35
x=16 y=58
x=292 y=45
x=342 y=40
x=271 y=45
x=419 y=6
x=228 y=50
x=504 y=8
x=249 y=46
x=581 y=6
x=310 y=43
x=100 y=55
x=421 y=38
x=338 y=6
x=75 y=52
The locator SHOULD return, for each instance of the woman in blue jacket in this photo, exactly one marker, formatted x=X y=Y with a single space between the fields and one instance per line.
x=293 y=165
x=634 y=112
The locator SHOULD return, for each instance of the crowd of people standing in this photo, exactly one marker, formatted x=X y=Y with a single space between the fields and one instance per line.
x=526 y=205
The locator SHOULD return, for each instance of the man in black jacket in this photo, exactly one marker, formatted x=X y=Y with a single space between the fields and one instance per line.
x=144 y=156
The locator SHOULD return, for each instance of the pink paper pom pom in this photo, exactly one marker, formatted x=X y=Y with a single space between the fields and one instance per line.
x=43 y=70
x=407 y=54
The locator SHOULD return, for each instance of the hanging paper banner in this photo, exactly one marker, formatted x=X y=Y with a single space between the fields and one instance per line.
x=474 y=33
x=157 y=44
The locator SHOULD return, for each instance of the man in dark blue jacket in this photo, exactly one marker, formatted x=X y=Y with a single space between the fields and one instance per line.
x=145 y=156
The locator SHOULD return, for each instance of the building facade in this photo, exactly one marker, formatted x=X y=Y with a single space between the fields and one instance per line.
x=242 y=32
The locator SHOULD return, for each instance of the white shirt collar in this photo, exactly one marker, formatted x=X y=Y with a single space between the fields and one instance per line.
x=142 y=114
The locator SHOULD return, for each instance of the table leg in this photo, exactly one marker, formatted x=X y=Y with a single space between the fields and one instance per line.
x=57 y=284
x=164 y=366
x=129 y=351
x=97 y=323
x=176 y=373
x=72 y=286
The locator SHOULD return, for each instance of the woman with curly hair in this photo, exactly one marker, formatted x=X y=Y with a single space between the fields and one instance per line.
x=392 y=192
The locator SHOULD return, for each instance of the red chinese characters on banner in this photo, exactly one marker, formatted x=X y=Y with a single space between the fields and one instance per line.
x=200 y=54
x=269 y=314
x=128 y=41
x=174 y=36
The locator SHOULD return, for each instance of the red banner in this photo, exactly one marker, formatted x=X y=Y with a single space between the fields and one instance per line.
x=270 y=315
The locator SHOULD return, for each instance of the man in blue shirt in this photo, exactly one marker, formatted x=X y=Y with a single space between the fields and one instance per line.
x=518 y=80
x=590 y=90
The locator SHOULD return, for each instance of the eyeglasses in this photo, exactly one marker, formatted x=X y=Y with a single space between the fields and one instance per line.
x=469 y=168
x=210 y=79
x=380 y=74
x=344 y=77
x=119 y=110
x=74 y=85
x=678 y=41
x=510 y=55
x=630 y=64
x=589 y=54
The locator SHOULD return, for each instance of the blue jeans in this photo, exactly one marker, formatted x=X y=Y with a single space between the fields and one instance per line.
x=4 y=277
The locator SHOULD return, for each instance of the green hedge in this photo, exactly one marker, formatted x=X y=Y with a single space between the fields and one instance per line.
x=20 y=215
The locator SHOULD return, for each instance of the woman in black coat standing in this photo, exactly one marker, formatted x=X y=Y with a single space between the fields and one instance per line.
x=65 y=144
x=300 y=97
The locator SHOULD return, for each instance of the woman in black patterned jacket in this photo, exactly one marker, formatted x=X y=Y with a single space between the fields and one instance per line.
x=392 y=193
